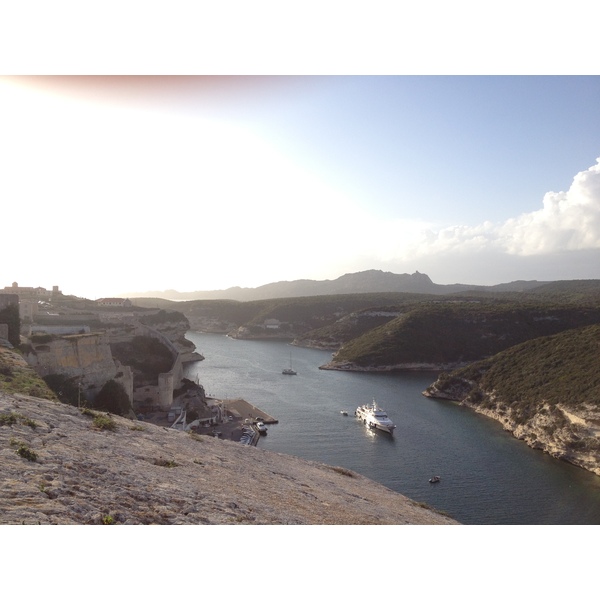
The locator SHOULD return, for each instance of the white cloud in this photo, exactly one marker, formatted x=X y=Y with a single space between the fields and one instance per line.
x=103 y=200
x=567 y=221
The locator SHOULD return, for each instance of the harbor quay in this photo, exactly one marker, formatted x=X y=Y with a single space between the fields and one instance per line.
x=240 y=415
x=241 y=409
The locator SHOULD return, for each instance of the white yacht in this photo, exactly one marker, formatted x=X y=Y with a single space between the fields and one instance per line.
x=375 y=417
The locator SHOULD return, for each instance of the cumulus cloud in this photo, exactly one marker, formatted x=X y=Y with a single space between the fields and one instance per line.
x=567 y=221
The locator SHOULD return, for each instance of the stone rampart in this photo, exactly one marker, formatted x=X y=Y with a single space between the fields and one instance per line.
x=87 y=357
x=168 y=382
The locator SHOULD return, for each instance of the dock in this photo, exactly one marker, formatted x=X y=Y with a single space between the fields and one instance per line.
x=243 y=410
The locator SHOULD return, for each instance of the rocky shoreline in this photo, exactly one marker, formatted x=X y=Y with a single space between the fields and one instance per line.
x=568 y=434
x=350 y=366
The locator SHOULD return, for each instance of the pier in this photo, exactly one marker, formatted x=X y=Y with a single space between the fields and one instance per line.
x=241 y=416
x=241 y=409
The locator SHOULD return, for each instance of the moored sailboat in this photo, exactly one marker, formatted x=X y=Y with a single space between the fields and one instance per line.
x=289 y=371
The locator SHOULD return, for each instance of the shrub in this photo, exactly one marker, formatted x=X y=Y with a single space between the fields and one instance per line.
x=11 y=418
x=8 y=419
x=41 y=338
x=113 y=398
x=104 y=422
x=25 y=452
x=65 y=388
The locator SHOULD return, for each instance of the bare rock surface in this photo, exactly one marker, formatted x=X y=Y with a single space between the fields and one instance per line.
x=61 y=465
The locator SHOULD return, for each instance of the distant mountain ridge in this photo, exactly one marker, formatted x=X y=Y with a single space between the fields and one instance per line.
x=351 y=283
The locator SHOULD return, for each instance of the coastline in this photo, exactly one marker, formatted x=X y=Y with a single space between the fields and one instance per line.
x=542 y=432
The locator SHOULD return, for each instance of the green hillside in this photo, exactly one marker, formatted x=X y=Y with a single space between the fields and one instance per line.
x=546 y=391
x=17 y=377
x=561 y=368
x=443 y=333
x=299 y=315
x=383 y=330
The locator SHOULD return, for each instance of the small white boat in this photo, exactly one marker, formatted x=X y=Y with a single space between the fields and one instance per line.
x=375 y=417
x=344 y=412
x=262 y=428
x=435 y=479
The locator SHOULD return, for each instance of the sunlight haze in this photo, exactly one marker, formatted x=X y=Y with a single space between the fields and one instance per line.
x=130 y=184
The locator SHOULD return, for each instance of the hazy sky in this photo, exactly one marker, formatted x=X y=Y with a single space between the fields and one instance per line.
x=117 y=184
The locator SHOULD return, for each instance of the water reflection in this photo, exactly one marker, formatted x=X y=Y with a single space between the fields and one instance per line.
x=488 y=476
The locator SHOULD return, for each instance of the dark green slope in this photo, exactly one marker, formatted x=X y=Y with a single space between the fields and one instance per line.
x=546 y=391
x=561 y=368
x=302 y=314
x=456 y=333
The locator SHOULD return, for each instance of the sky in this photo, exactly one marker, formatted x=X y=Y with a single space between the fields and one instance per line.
x=139 y=183
x=457 y=138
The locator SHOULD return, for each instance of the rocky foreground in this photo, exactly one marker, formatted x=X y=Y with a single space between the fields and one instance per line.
x=63 y=465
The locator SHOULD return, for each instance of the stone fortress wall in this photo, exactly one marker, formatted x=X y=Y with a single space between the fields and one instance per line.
x=170 y=381
x=86 y=355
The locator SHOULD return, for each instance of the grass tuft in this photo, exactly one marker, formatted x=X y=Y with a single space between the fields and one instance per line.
x=104 y=422
x=24 y=451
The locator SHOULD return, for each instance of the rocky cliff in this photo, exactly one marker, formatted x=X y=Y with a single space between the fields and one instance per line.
x=61 y=465
x=545 y=391
x=84 y=356
x=568 y=434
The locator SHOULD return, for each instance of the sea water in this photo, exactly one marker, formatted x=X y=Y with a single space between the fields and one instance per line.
x=487 y=475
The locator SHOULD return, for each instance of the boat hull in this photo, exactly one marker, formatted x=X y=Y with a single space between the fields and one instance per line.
x=387 y=429
x=374 y=418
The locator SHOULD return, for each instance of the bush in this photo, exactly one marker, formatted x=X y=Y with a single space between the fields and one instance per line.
x=65 y=388
x=104 y=422
x=25 y=452
x=113 y=398
x=8 y=419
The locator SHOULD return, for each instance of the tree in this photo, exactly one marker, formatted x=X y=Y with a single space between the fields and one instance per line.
x=113 y=398
x=64 y=387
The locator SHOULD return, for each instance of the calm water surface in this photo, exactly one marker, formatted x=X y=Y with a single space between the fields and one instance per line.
x=488 y=476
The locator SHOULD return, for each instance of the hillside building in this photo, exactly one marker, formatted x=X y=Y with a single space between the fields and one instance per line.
x=39 y=293
x=120 y=302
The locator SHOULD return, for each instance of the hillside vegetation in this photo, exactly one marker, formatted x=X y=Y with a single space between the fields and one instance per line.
x=562 y=368
x=440 y=334
x=298 y=316
x=16 y=376
x=546 y=391
x=386 y=331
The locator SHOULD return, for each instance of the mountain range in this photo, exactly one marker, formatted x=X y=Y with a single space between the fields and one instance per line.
x=351 y=283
